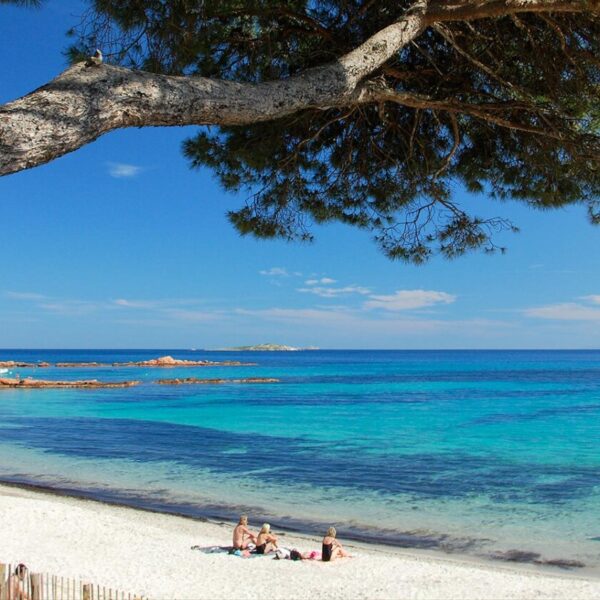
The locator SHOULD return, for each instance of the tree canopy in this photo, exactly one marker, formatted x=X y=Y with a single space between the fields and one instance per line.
x=376 y=110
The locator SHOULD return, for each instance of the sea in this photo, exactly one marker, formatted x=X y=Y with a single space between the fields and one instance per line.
x=491 y=454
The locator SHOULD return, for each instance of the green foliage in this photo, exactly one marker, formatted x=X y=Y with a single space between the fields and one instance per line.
x=513 y=112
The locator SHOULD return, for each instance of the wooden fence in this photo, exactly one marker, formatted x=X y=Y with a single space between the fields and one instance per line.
x=43 y=586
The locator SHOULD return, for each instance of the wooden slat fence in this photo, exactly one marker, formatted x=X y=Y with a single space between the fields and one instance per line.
x=44 y=586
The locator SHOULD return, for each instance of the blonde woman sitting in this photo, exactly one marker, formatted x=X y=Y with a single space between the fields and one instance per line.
x=332 y=549
x=265 y=541
x=242 y=536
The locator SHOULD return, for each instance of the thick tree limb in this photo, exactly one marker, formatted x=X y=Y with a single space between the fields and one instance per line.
x=83 y=103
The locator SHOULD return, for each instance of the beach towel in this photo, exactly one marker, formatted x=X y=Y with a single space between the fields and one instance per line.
x=213 y=549
x=226 y=550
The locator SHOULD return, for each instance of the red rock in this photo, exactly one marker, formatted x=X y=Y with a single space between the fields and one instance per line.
x=42 y=383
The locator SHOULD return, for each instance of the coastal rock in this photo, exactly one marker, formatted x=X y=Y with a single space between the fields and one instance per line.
x=11 y=364
x=169 y=361
x=195 y=380
x=81 y=364
x=162 y=361
x=29 y=383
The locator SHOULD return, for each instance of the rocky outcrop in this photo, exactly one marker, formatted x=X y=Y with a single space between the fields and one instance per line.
x=29 y=383
x=195 y=380
x=162 y=361
x=12 y=364
x=169 y=361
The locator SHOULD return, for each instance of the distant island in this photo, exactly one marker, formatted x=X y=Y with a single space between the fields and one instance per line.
x=268 y=348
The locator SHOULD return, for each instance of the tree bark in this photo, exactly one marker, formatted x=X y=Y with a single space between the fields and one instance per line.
x=84 y=103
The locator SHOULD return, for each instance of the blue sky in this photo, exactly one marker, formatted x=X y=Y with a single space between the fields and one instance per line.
x=121 y=245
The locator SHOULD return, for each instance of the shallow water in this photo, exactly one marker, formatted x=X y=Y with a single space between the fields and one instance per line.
x=482 y=452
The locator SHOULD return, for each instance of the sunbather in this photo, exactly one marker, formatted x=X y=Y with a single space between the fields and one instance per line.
x=242 y=536
x=332 y=549
x=266 y=542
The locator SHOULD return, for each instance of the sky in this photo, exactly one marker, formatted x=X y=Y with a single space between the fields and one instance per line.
x=122 y=245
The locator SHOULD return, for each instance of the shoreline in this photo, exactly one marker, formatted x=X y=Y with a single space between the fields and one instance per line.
x=434 y=544
x=66 y=535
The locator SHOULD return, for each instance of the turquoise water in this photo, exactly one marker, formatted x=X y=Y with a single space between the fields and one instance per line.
x=486 y=452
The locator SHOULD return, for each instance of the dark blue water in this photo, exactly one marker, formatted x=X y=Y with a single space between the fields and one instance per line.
x=478 y=451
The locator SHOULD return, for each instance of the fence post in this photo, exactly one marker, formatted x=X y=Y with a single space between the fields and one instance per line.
x=3 y=582
x=87 y=591
x=36 y=586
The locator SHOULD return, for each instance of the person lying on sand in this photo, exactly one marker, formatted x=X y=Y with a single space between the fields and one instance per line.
x=242 y=536
x=16 y=584
x=266 y=542
x=332 y=549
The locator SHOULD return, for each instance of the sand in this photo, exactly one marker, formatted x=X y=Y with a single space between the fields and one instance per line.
x=150 y=554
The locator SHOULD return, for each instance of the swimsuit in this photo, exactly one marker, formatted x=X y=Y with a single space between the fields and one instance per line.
x=326 y=552
x=261 y=549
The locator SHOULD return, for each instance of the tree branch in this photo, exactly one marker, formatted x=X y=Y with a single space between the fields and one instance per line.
x=487 y=111
x=83 y=103
x=456 y=134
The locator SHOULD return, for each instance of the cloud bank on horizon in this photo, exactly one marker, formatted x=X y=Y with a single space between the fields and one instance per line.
x=404 y=312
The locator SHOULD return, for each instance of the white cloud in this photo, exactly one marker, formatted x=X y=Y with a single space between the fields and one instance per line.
x=345 y=321
x=144 y=304
x=328 y=292
x=122 y=170
x=275 y=272
x=303 y=315
x=24 y=296
x=567 y=311
x=322 y=281
x=193 y=315
x=70 y=307
x=409 y=300
x=127 y=303
x=593 y=299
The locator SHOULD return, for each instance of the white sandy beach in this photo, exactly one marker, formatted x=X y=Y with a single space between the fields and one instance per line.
x=148 y=553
